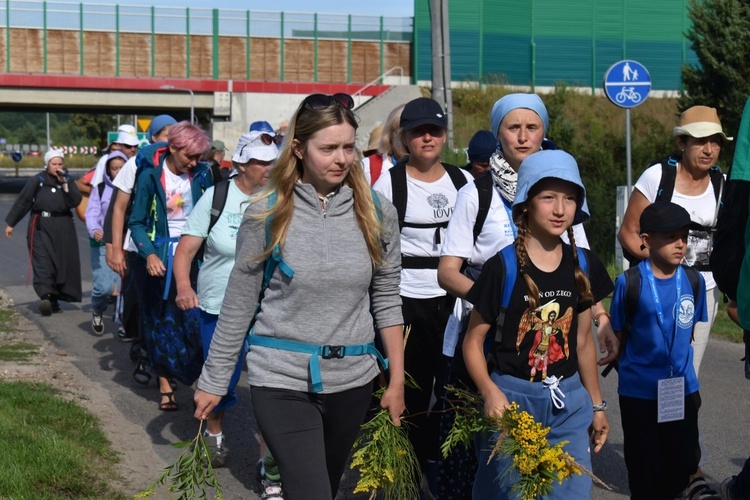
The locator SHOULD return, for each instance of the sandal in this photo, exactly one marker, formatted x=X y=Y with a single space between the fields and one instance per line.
x=170 y=404
x=142 y=375
x=698 y=489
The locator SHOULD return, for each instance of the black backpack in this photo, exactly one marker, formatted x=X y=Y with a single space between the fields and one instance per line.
x=399 y=197
x=729 y=238
x=633 y=294
x=221 y=191
x=666 y=189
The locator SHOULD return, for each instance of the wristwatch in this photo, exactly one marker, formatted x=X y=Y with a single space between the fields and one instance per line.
x=601 y=407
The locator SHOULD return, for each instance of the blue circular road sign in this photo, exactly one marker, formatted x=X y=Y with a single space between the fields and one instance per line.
x=627 y=83
x=16 y=156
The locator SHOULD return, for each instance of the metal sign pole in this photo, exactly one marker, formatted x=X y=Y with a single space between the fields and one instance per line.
x=628 y=156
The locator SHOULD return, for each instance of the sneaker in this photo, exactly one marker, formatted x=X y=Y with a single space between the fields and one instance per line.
x=55 y=305
x=726 y=489
x=218 y=451
x=97 y=323
x=271 y=490
x=698 y=489
x=45 y=307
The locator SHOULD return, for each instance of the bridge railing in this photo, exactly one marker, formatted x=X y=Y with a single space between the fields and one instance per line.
x=210 y=43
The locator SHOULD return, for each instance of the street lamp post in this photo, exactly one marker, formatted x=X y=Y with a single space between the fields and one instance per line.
x=192 y=99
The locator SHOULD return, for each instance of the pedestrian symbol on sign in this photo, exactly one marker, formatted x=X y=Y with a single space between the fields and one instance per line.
x=627 y=83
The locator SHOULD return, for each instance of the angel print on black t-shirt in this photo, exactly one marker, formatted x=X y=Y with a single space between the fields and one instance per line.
x=550 y=336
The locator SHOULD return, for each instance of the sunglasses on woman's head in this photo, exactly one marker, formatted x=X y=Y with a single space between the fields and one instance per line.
x=267 y=139
x=322 y=101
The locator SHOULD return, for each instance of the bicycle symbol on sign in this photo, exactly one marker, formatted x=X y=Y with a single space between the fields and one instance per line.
x=628 y=93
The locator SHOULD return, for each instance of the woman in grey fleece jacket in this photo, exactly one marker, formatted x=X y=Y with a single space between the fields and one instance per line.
x=344 y=253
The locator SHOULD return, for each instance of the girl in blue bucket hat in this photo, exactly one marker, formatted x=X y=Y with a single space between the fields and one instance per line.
x=542 y=355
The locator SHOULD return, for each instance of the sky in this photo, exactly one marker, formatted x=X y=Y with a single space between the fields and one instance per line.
x=398 y=8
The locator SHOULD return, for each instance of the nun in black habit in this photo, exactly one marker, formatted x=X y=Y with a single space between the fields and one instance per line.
x=51 y=236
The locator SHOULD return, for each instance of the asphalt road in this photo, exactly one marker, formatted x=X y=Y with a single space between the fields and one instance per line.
x=724 y=416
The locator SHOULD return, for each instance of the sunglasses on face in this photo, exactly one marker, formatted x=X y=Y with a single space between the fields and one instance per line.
x=128 y=146
x=322 y=101
x=267 y=139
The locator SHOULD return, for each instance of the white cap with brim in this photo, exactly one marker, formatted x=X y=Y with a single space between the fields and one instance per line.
x=251 y=146
x=127 y=138
x=699 y=122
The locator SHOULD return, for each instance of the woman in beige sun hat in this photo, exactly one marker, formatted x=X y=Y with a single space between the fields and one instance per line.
x=692 y=180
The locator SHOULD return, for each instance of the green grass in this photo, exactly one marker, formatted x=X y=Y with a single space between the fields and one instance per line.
x=51 y=448
x=18 y=351
x=7 y=323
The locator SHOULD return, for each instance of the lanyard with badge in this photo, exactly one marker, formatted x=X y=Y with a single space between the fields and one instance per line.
x=671 y=391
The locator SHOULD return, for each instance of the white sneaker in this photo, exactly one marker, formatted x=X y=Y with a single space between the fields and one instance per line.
x=97 y=323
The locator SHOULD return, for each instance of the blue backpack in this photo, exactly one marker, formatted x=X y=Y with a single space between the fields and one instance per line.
x=510 y=266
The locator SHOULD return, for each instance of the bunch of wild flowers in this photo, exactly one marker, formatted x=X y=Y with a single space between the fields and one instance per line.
x=538 y=463
x=385 y=457
x=191 y=474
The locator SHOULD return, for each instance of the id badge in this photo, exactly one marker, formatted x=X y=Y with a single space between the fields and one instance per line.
x=671 y=402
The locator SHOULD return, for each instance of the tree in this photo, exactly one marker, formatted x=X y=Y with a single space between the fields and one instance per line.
x=92 y=129
x=720 y=37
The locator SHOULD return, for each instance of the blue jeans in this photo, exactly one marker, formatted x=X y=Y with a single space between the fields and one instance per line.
x=104 y=280
x=567 y=424
x=208 y=325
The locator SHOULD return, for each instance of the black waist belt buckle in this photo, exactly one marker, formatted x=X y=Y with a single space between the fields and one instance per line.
x=333 y=351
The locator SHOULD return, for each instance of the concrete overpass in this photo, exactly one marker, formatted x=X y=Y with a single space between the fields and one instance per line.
x=224 y=107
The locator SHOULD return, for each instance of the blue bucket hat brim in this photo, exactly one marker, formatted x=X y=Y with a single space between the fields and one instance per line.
x=554 y=164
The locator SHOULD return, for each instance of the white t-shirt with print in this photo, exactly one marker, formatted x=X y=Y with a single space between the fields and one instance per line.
x=702 y=209
x=125 y=179
x=125 y=182
x=497 y=231
x=426 y=203
x=179 y=201
x=220 y=244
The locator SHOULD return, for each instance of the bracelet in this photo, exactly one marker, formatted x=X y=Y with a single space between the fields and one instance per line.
x=602 y=313
x=601 y=407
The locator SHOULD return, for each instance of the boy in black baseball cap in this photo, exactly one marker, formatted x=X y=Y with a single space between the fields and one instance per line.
x=654 y=310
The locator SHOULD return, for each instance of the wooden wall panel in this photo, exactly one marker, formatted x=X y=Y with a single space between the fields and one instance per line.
x=331 y=61
x=398 y=54
x=135 y=54
x=299 y=65
x=62 y=52
x=200 y=56
x=232 y=58
x=365 y=61
x=27 y=50
x=265 y=59
x=170 y=56
x=98 y=53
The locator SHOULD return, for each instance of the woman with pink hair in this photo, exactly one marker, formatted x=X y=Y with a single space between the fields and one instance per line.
x=164 y=197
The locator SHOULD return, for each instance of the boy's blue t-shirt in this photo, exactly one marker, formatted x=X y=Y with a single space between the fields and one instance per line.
x=645 y=358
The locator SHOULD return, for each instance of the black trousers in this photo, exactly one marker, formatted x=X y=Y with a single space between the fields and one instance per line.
x=423 y=360
x=131 y=291
x=310 y=436
x=660 y=457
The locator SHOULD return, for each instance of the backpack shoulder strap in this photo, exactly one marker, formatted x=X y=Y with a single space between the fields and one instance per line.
x=378 y=206
x=456 y=174
x=717 y=180
x=694 y=278
x=398 y=191
x=483 y=184
x=376 y=167
x=632 y=295
x=510 y=268
x=218 y=202
x=101 y=187
x=668 y=176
